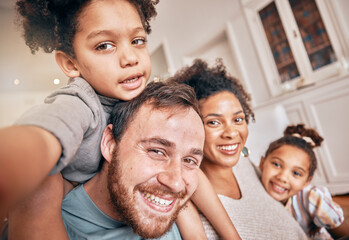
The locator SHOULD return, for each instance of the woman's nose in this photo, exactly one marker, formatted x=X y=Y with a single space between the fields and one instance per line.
x=230 y=131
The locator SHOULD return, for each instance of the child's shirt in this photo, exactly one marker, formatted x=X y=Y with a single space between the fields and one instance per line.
x=315 y=211
x=77 y=116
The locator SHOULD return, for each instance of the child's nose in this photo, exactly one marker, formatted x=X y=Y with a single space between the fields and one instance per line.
x=128 y=57
x=283 y=175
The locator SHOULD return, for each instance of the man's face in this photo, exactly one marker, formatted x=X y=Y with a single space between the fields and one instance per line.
x=154 y=168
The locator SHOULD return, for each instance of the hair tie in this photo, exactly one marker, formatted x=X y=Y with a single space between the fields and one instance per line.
x=305 y=138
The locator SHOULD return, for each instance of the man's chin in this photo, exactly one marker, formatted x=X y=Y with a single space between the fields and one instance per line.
x=153 y=229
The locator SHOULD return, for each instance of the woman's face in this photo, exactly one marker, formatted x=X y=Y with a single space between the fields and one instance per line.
x=225 y=129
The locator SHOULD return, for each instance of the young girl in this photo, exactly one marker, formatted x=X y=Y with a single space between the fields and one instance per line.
x=102 y=47
x=286 y=172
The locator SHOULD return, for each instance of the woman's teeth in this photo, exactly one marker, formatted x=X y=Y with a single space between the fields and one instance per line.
x=156 y=200
x=131 y=80
x=228 y=148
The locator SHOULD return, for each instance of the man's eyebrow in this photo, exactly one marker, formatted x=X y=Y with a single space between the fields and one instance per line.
x=159 y=140
x=110 y=32
x=197 y=151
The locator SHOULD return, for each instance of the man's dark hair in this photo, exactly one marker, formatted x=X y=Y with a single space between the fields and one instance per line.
x=160 y=95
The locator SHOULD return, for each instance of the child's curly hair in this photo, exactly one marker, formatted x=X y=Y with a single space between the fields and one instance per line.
x=51 y=24
x=208 y=81
x=302 y=138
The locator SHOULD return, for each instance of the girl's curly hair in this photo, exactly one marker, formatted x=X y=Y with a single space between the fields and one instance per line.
x=208 y=81
x=51 y=24
x=303 y=138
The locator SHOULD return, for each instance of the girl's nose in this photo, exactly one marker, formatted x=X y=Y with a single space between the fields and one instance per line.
x=128 y=56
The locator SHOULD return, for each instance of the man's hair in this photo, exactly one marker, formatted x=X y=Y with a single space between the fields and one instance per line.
x=161 y=96
x=52 y=24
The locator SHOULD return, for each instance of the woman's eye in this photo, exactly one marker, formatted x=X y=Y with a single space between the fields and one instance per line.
x=239 y=119
x=139 y=41
x=212 y=123
x=104 y=46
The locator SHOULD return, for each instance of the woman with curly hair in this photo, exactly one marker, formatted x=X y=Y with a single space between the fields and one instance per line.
x=226 y=111
x=101 y=45
x=286 y=172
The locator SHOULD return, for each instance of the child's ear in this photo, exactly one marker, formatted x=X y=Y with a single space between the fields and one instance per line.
x=67 y=64
x=261 y=163
x=108 y=143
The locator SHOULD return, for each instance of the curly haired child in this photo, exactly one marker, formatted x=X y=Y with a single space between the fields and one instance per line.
x=102 y=47
x=286 y=173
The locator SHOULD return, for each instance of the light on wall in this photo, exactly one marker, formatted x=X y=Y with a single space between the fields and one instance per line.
x=16 y=82
x=56 y=81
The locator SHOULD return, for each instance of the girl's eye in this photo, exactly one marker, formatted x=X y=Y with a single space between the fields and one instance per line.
x=104 y=46
x=298 y=174
x=276 y=164
x=139 y=41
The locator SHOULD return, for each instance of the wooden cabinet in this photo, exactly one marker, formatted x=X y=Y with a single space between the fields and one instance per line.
x=296 y=42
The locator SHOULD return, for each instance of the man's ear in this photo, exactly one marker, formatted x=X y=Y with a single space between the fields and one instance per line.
x=67 y=64
x=108 y=143
x=261 y=163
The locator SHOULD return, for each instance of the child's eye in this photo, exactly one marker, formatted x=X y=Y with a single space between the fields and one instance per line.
x=139 y=41
x=298 y=174
x=104 y=46
x=276 y=164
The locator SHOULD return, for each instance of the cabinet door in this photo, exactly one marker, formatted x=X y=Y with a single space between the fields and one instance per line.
x=295 y=41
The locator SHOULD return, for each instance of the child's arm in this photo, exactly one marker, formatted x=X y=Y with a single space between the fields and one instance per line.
x=206 y=199
x=27 y=155
x=341 y=231
x=189 y=223
x=39 y=216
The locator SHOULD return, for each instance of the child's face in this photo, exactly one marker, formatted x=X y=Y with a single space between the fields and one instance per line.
x=111 y=50
x=285 y=171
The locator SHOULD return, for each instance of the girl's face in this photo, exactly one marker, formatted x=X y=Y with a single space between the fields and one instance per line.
x=285 y=171
x=225 y=129
x=111 y=49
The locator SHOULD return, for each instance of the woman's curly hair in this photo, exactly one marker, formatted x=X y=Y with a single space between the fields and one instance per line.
x=51 y=24
x=208 y=81
x=301 y=137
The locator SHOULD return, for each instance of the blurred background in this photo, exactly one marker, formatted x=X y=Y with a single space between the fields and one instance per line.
x=291 y=55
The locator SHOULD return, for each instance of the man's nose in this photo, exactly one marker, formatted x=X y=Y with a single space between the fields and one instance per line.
x=127 y=55
x=172 y=177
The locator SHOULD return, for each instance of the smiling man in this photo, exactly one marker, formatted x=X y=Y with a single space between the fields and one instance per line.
x=152 y=150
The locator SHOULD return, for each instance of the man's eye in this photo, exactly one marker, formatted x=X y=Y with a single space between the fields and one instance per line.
x=156 y=151
x=139 y=41
x=191 y=162
x=104 y=46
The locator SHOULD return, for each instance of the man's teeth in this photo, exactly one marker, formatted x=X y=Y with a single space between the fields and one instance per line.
x=158 y=201
x=228 y=148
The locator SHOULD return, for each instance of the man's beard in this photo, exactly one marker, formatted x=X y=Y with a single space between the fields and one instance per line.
x=150 y=226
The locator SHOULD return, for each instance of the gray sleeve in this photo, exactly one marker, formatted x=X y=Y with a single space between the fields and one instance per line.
x=66 y=116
